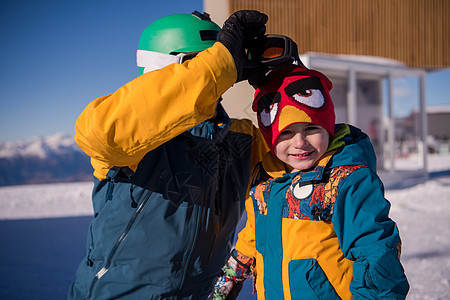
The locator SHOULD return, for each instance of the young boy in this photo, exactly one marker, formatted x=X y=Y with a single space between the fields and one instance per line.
x=318 y=224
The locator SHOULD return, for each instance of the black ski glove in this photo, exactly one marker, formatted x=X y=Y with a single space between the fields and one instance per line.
x=239 y=33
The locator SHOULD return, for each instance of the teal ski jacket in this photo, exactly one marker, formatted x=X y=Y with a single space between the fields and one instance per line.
x=324 y=233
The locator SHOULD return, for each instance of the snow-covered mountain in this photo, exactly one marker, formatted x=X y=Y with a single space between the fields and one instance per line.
x=54 y=158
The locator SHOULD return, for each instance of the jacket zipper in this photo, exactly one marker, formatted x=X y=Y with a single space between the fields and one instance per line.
x=116 y=246
x=191 y=250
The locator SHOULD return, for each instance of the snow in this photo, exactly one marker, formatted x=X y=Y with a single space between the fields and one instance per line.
x=46 y=201
x=44 y=227
x=423 y=217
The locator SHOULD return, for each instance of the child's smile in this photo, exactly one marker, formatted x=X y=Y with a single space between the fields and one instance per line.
x=302 y=156
x=301 y=145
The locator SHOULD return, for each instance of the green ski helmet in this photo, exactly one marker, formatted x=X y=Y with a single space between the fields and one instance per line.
x=174 y=34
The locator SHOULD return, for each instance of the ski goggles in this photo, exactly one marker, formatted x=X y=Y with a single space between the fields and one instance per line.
x=274 y=51
x=151 y=60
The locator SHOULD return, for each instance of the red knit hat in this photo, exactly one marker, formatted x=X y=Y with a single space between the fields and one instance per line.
x=293 y=95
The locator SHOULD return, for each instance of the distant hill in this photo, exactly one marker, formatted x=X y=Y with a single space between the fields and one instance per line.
x=49 y=159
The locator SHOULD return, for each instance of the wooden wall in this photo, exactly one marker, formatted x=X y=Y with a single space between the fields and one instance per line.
x=416 y=32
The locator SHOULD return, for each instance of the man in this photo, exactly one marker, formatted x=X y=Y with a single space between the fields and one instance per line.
x=171 y=170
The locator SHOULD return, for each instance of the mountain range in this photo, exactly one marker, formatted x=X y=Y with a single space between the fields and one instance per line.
x=51 y=159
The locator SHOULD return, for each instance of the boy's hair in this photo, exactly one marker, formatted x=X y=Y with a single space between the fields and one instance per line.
x=293 y=95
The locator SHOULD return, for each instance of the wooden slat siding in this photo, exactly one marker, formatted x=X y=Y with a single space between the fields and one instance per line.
x=416 y=32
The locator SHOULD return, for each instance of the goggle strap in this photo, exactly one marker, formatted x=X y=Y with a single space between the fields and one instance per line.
x=151 y=60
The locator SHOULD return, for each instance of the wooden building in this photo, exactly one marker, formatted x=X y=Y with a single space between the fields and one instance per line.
x=415 y=32
x=362 y=46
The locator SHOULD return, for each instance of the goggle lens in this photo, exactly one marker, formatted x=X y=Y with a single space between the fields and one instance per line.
x=272 y=52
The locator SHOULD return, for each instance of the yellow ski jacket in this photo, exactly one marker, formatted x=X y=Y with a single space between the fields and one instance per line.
x=171 y=174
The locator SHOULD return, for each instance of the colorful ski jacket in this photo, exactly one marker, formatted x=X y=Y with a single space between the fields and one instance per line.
x=171 y=174
x=324 y=233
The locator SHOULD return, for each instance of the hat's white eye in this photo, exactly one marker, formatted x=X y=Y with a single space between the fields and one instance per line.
x=268 y=115
x=312 y=98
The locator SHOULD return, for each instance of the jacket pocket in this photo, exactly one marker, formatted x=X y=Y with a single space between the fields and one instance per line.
x=308 y=281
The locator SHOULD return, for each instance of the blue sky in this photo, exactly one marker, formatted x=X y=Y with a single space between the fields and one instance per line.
x=58 y=55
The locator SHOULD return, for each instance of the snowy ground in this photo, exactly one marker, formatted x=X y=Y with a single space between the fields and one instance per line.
x=43 y=230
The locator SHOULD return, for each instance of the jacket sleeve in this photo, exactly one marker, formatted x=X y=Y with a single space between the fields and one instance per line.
x=119 y=129
x=236 y=270
x=246 y=239
x=369 y=237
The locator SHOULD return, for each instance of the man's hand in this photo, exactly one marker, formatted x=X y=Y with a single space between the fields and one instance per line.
x=238 y=33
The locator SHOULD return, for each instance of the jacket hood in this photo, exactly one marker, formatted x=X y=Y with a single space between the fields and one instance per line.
x=358 y=149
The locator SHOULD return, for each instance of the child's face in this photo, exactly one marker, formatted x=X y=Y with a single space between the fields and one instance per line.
x=301 y=145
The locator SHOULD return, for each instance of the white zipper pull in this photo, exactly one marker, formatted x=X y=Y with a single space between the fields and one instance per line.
x=101 y=272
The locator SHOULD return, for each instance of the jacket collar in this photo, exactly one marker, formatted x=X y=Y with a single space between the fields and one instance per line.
x=213 y=129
